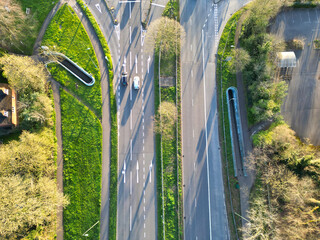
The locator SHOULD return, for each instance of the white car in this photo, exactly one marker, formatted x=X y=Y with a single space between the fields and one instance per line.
x=136 y=83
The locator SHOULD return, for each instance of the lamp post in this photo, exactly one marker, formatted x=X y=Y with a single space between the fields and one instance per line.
x=85 y=233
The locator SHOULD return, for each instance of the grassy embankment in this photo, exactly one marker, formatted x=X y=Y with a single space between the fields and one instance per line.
x=81 y=132
x=171 y=145
x=114 y=130
x=39 y=10
x=66 y=35
x=81 y=129
x=226 y=79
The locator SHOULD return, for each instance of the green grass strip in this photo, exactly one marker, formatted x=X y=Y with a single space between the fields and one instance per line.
x=66 y=35
x=113 y=193
x=228 y=80
x=171 y=155
x=82 y=146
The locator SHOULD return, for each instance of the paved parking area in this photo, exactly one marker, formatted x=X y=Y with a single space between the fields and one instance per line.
x=301 y=108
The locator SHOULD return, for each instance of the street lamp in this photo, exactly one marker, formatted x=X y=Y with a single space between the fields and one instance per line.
x=85 y=233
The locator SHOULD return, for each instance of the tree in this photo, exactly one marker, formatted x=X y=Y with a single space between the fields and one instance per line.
x=165 y=32
x=31 y=155
x=240 y=59
x=23 y=73
x=15 y=26
x=166 y=118
x=35 y=108
x=26 y=203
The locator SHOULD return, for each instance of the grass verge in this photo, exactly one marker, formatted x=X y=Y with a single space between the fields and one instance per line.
x=66 y=34
x=226 y=79
x=171 y=202
x=82 y=144
x=113 y=193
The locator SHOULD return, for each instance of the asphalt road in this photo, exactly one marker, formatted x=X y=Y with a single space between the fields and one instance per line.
x=136 y=179
x=204 y=201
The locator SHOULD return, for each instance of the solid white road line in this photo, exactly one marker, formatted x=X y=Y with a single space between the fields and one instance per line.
x=136 y=62
x=206 y=133
x=130 y=89
x=130 y=33
x=158 y=5
x=130 y=218
x=130 y=149
x=150 y=169
x=130 y=119
x=128 y=1
x=130 y=9
x=137 y=172
x=148 y=63
x=130 y=182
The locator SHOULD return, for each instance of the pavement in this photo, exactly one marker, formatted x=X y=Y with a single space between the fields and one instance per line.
x=205 y=214
x=137 y=217
x=301 y=106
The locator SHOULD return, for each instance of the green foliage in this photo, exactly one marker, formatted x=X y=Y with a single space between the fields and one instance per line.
x=82 y=144
x=172 y=10
x=114 y=129
x=264 y=96
x=66 y=35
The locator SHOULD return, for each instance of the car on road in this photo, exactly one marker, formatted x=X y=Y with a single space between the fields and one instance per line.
x=124 y=79
x=136 y=83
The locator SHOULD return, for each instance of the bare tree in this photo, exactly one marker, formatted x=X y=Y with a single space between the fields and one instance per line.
x=166 y=32
x=15 y=25
x=166 y=118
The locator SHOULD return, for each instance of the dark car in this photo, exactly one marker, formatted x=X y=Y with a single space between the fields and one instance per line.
x=124 y=78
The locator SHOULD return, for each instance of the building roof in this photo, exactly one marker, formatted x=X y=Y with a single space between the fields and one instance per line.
x=8 y=106
x=286 y=59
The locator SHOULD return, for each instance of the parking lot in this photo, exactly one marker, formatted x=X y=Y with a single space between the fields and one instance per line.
x=301 y=108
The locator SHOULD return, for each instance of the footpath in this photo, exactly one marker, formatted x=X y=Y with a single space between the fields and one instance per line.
x=105 y=121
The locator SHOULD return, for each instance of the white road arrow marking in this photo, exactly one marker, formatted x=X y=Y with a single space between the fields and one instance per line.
x=137 y=172
x=117 y=28
x=98 y=7
x=143 y=35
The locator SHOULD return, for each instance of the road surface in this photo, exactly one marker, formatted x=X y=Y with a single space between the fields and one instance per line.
x=137 y=217
x=204 y=201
